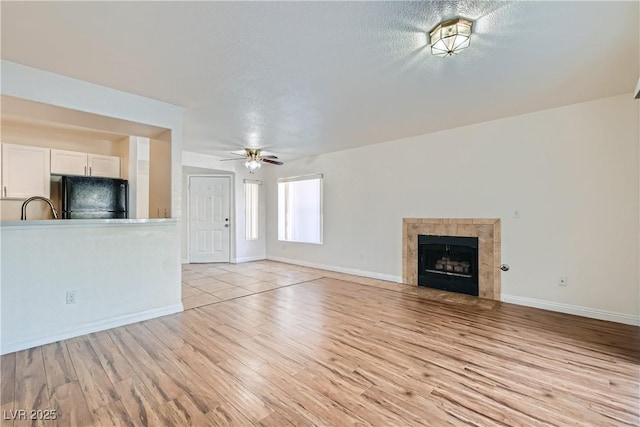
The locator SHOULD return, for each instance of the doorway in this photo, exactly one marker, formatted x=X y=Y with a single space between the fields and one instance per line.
x=209 y=218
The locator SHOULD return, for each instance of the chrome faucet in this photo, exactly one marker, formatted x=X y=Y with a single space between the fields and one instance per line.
x=31 y=199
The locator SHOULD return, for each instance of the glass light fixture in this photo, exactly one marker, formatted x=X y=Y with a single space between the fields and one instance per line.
x=252 y=164
x=450 y=37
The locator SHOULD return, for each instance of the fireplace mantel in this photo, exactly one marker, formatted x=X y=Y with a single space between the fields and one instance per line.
x=487 y=230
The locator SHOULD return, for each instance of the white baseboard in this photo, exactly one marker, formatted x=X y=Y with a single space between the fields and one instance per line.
x=91 y=327
x=237 y=260
x=573 y=309
x=529 y=302
x=363 y=273
x=249 y=258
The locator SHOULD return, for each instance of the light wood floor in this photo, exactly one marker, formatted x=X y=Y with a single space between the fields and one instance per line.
x=272 y=344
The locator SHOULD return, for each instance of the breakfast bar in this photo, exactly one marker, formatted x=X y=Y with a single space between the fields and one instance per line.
x=64 y=278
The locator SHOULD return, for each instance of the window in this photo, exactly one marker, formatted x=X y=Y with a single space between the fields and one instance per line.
x=300 y=209
x=251 y=201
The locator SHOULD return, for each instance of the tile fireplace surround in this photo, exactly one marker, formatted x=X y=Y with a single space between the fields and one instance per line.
x=487 y=230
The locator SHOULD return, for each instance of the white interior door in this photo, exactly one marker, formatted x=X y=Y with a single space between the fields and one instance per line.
x=209 y=225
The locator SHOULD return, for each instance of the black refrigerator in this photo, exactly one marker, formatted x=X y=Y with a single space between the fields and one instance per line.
x=90 y=197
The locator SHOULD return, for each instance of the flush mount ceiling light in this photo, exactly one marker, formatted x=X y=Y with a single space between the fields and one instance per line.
x=450 y=37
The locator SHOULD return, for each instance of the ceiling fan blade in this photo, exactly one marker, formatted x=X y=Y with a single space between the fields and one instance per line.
x=273 y=162
x=237 y=158
x=269 y=157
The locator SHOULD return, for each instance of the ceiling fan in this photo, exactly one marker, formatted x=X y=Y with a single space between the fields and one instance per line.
x=254 y=158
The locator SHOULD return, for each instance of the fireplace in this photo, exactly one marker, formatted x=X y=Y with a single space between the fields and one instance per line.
x=486 y=230
x=448 y=263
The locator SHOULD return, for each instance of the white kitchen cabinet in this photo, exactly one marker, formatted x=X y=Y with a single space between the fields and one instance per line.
x=65 y=162
x=25 y=171
x=108 y=166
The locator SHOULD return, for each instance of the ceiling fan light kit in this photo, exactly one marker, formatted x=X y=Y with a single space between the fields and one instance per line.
x=450 y=37
x=254 y=158
x=252 y=164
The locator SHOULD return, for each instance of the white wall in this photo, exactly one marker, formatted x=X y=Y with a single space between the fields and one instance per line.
x=101 y=262
x=249 y=250
x=571 y=172
x=203 y=164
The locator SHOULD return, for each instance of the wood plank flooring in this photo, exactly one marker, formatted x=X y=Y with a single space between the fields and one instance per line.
x=272 y=344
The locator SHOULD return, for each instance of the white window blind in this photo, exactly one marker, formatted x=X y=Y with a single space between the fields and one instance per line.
x=300 y=209
x=251 y=201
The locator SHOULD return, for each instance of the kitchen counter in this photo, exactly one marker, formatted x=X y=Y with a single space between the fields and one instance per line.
x=86 y=222
x=120 y=270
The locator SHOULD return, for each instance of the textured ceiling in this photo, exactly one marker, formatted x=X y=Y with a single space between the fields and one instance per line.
x=302 y=78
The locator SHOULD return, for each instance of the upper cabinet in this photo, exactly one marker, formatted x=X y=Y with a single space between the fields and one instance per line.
x=68 y=162
x=65 y=162
x=25 y=171
x=108 y=166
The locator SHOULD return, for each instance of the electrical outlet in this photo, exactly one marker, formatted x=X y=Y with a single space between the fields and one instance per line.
x=516 y=213
x=563 y=281
x=71 y=297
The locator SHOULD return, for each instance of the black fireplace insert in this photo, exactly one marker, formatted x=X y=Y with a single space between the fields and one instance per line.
x=448 y=263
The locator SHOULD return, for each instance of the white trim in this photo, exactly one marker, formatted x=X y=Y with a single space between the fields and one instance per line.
x=573 y=309
x=91 y=327
x=301 y=177
x=338 y=269
x=248 y=259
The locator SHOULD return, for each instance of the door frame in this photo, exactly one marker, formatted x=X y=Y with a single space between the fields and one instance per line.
x=232 y=211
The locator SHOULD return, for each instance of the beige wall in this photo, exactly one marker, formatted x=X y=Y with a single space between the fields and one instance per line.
x=50 y=136
x=159 y=179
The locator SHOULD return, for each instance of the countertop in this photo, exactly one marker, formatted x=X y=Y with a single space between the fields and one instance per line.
x=86 y=222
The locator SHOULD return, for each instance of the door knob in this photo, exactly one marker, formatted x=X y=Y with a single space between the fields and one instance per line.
x=226 y=225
